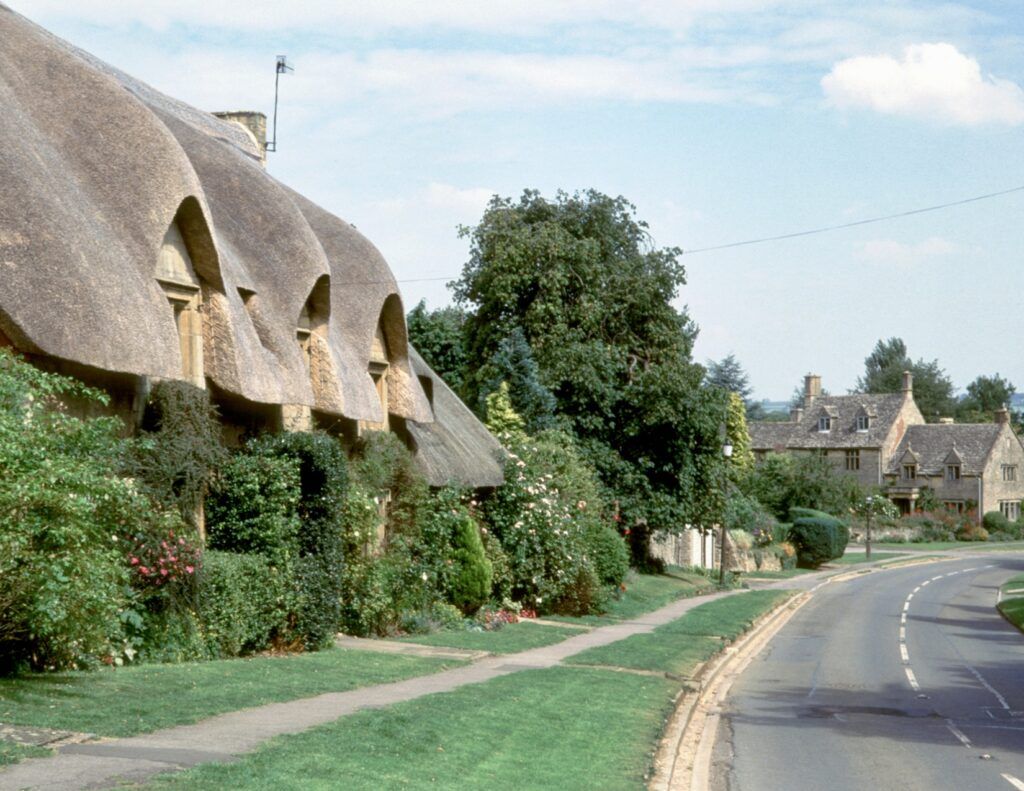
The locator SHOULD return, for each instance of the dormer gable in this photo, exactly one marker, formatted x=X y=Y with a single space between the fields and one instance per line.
x=865 y=417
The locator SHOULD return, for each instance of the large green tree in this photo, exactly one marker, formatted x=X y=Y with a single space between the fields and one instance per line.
x=437 y=336
x=984 y=396
x=883 y=373
x=579 y=278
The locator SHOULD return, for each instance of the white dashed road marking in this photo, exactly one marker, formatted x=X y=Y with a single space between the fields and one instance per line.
x=1019 y=785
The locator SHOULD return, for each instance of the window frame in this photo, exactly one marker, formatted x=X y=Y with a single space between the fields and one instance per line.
x=824 y=424
x=853 y=460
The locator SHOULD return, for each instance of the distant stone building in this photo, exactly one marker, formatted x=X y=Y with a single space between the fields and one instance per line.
x=883 y=440
x=142 y=239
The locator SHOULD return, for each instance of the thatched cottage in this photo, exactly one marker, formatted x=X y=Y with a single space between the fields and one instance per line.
x=883 y=440
x=142 y=239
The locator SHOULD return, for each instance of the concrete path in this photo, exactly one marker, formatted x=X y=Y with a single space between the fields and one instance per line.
x=106 y=763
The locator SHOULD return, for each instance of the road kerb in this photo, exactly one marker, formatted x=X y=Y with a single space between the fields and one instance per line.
x=683 y=759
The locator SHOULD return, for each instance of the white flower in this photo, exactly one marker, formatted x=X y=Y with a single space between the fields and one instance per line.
x=424 y=576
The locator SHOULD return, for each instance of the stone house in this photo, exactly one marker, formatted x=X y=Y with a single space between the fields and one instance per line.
x=883 y=440
x=143 y=239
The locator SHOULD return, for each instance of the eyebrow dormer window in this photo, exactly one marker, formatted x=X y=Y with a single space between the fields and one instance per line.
x=181 y=286
x=863 y=422
x=824 y=423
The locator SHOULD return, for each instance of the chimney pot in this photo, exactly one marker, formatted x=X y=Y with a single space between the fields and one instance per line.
x=908 y=382
x=1002 y=415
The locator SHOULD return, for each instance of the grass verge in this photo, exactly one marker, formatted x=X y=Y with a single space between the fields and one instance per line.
x=645 y=593
x=132 y=700
x=679 y=646
x=11 y=753
x=509 y=639
x=1011 y=601
x=565 y=728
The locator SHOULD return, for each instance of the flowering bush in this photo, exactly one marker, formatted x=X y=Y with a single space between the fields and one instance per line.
x=162 y=558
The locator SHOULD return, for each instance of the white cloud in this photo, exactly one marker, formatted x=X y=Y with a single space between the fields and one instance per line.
x=932 y=81
x=890 y=252
x=470 y=201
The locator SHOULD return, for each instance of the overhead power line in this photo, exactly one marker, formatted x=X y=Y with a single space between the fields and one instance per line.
x=811 y=232
x=854 y=224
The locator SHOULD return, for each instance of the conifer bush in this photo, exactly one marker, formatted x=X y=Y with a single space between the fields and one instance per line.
x=471 y=579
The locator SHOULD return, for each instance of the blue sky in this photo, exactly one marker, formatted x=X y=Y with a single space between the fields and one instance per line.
x=721 y=120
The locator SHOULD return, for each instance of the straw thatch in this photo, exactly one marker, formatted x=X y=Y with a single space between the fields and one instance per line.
x=95 y=168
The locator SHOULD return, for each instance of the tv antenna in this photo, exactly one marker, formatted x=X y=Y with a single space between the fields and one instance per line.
x=282 y=68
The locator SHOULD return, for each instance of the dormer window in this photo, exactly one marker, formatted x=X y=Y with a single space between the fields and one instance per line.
x=863 y=422
x=824 y=423
x=909 y=472
x=952 y=472
x=181 y=286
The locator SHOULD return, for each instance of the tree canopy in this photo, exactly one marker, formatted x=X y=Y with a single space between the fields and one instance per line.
x=437 y=336
x=984 y=396
x=578 y=279
x=728 y=374
x=883 y=373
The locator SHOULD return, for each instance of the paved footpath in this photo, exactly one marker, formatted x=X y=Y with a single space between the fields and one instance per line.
x=110 y=762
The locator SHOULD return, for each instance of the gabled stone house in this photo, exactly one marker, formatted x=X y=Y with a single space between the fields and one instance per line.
x=883 y=440
x=143 y=239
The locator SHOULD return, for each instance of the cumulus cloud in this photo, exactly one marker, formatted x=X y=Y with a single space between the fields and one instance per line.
x=906 y=254
x=930 y=81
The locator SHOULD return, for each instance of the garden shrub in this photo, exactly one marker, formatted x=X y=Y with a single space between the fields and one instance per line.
x=501 y=571
x=179 y=449
x=972 y=532
x=243 y=603
x=608 y=552
x=301 y=532
x=472 y=572
x=253 y=507
x=817 y=536
x=63 y=509
x=995 y=522
x=747 y=514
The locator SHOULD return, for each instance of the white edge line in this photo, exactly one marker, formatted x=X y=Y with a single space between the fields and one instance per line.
x=1013 y=781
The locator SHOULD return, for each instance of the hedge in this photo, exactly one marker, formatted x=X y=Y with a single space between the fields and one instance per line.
x=818 y=537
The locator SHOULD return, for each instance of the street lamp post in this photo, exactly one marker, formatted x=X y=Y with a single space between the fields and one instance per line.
x=867 y=534
x=727 y=452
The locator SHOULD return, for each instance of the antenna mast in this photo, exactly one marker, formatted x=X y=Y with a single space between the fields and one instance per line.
x=282 y=68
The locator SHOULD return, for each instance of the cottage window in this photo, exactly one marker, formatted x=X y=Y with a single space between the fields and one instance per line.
x=863 y=422
x=1010 y=509
x=824 y=423
x=909 y=472
x=952 y=472
x=953 y=506
x=1009 y=472
x=853 y=460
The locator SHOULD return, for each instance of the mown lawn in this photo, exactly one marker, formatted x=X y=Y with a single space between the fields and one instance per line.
x=1011 y=603
x=680 y=646
x=569 y=727
x=564 y=728
x=509 y=639
x=131 y=700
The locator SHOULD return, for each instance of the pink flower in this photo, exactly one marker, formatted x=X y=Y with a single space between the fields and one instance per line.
x=189 y=569
x=163 y=572
x=135 y=561
x=143 y=570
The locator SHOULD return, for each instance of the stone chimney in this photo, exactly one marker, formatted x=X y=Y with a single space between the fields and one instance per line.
x=946 y=421
x=1002 y=415
x=908 y=382
x=812 y=389
x=796 y=414
x=255 y=124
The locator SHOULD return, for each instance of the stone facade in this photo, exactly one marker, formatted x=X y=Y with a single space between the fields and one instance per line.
x=883 y=440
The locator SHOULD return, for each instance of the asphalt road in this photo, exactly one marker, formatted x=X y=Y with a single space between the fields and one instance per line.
x=853 y=695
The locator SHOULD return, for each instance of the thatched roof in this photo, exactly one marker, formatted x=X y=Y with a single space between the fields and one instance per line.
x=456 y=448
x=96 y=166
